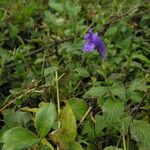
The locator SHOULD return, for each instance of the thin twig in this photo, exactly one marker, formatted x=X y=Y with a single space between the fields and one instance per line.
x=135 y=110
x=84 y=116
x=12 y=101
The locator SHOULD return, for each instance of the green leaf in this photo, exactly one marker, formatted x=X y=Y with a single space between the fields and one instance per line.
x=111 y=31
x=18 y=138
x=113 y=110
x=50 y=70
x=82 y=72
x=89 y=129
x=115 y=76
x=100 y=124
x=140 y=57
x=94 y=129
x=45 y=118
x=79 y=107
x=75 y=146
x=71 y=8
x=57 y=6
x=140 y=131
x=138 y=84
x=135 y=96
x=123 y=124
x=124 y=44
x=68 y=130
x=13 y=119
x=118 y=90
x=112 y=148
x=96 y=92
x=46 y=143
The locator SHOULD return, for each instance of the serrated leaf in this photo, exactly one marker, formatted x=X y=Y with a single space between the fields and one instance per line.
x=75 y=146
x=140 y=131
x=96 y=91
x=79 y=107
x=112 y=148
x=138 y=84
x=45 y=118
x=68 y=130
x=118 y=90
x=14 y=118
x=18 y=138
x=113 y=110
x=57 y=6
x=135 y=96
x=71 y=8
x=89 y=128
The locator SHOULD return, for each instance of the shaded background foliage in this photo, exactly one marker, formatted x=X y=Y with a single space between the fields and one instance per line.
x=40 y=38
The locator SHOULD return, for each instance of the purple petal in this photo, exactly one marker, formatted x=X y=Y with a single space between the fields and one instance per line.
x=89 y=36
x=88 y=47
x=99 y=45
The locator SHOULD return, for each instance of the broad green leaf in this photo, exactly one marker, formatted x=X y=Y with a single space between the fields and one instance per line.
x=112 y=148
x=15 y=118
x=96 y=91
x=68 y=130
x=135 y=96
x=18 y=138
x=113 y=110
x=140 y=131
x=138 y=84
x=45 y=118
x=118 y=90
x=79 y=107
x=75 y=146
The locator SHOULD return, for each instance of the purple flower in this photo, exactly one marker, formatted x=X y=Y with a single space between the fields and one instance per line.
x=93 y=41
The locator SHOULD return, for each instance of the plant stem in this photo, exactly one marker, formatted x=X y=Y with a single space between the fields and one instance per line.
x=124 y=142
x=58 y=100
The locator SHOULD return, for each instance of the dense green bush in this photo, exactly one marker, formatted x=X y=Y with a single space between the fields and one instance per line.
x=54 y=96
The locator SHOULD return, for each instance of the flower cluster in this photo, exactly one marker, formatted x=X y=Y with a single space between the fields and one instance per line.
x=93 y=41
